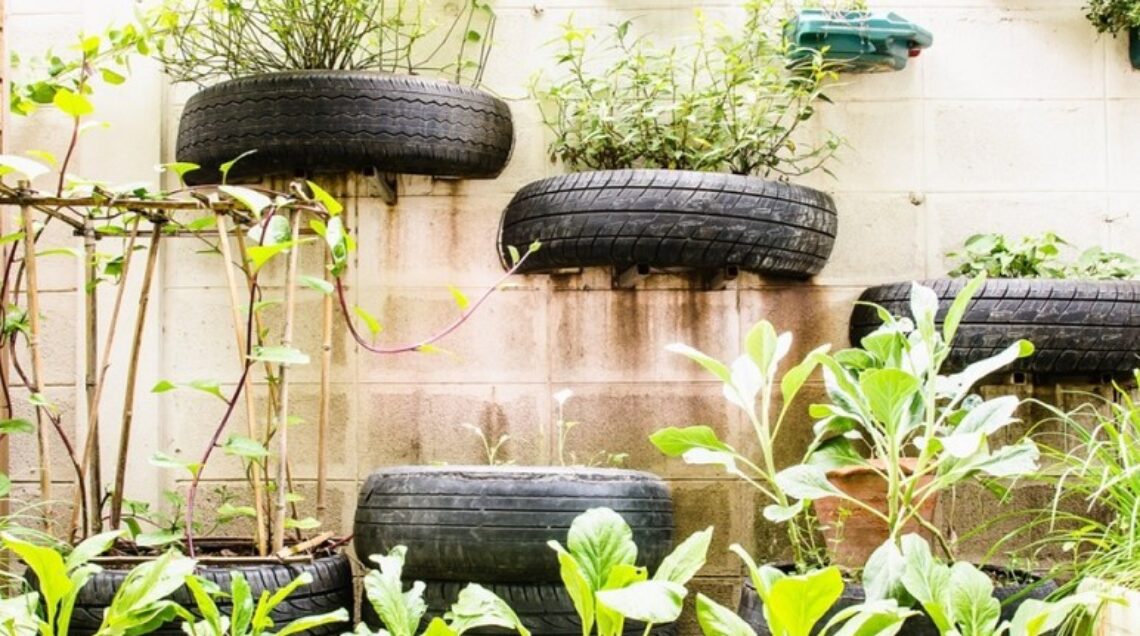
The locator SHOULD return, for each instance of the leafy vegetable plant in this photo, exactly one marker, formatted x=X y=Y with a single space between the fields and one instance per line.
x=1113 y=16
x=598 y=568
x=1038 y=257
x=248 y=618
x=401 y=612
x=751 y=378
x=139 y=606
x=794 y=605
x=724 y=102
x=959 y=598
x=889 y=398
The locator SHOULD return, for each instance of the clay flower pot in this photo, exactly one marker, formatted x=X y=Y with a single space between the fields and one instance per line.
x=852 y=534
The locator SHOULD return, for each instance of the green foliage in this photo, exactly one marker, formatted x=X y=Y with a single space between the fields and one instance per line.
x=598 y=568
x=248 y=618
x=138 y=607
x=888 y=406
x=208 y=40
x=724 y=102
x=1113 y=16
x=794 y=605
x=401 y=612
x=754 y=377
x=1038 y=257
x=959 y=598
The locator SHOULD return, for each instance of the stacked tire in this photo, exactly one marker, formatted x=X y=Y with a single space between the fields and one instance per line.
x=490 y=525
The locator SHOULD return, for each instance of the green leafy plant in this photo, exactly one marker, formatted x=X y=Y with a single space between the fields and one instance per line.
x=598 y=568
x=209 y=40
x=246 y=617
x=889 y=405
x=139 y=606
x=569 y=458
x=754 y=377
x=959 y=598
x=1113 y=16
x=402 y=611
x=1038 y=257
x=794 y=605
x=725 y=102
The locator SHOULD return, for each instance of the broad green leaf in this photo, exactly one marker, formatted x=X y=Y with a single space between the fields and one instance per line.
x=242 y=600
x=712 y=365
x=111 y=77
x=890 y=394
x=780 y=514
x=656 y=602
x=796 y=603
x=22 y=166
x=163 y=386
x=795 y=378
x=399 y=611
x=956 y=386
x=989 y=416
x=685 y=560
x=44 y=156
x=90 y=548
x=806 y=482
x=577 y=586
x=210 y=387
x=514 y=254
x=162 y=460
x=240 y=446
x=374 y=326
x=437 y=627
x=8 y=427
x=317 y=284
x=252 y=200
x=675 y=442
x=229 y=511
x=928 y=581
x=877 y=618
x=179 y=168
x=760 y=343
x=157 y=538
x=718 y=620
x=923 y=307
x=229 y=165
x=882 y=576
x=958 y=308
x=976 y=611
x=599 y=539
x=206 y=606
x=308 y=623
x=611 y=621
x=329 y=202
x=48 y=565
x=279 y=355
x=72 y=104
x=478 y=607
x=259 y=255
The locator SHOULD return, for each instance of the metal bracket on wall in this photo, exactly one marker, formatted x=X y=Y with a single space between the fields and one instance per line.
x=382 y=185
x=629 y=277
x=718 y=279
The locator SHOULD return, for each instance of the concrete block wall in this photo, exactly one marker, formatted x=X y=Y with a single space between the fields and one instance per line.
x=1020 y=119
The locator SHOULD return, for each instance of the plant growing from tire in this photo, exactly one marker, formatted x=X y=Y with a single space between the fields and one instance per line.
x=1081 y=309
x=670 y=146
x=342 y=85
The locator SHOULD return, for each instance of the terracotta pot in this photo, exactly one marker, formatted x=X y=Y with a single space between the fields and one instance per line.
x=852 y=533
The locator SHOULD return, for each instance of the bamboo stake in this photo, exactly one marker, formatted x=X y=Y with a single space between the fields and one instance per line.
x=91 y=522
x=91 y=449
x=250 y=413
x=132 y=377
x=325 y=397
x=283 y=393
x=44 y=442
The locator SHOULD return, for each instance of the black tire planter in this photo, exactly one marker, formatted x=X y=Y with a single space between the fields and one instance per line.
x=336 y=121
x=492 y=524
x=670 y=219
x=544 y=608
x=331 y=589
x=1011 y=596
x=1076 y=327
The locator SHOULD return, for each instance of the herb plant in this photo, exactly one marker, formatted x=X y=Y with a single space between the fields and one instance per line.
x=598 y=568
x=724 y=102
x=1113 y=16
x=754 y=377
x=246 y=617
x=1038 y=257
x=889 y=405
x=402 y=611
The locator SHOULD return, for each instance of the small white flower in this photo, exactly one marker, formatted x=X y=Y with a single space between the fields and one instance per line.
x=562 y=396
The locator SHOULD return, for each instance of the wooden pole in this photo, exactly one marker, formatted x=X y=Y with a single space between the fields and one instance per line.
x=283 y=392
x=325 y=397
x=250 y=413
x=33 y=294
x=132 y=377
x=92 y=522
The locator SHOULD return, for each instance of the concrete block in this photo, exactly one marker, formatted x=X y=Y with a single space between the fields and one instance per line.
x=503 y=341
x=727 y=505
x=882 y=149
x=423 y=424
x=23 y=449
x=882 y=238
x=814 y=315
x=1122 y=152
x=619 y=418
x=1055 y=51
x=1122 y=231
x=984 y=146
x=615 y=336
